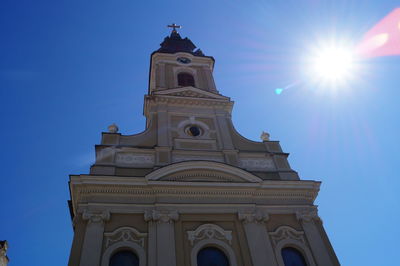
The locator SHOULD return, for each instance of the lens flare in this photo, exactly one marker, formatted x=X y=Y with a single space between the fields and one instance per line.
x=333 y=63
x=383 y=39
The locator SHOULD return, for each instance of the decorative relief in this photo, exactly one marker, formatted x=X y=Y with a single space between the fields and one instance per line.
x=134 y=158
x=189 y=93
x=125 y=234
x=286 y=232
x=307 y=215
x=202 y=175
x=195 y=144
x=227 y=105
x=209 y=231
x=182 y=158
x=161 y=216
x=257 y=163
x=96 y=217
x=253 y=217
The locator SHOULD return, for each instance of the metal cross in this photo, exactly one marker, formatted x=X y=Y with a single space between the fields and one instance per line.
x=174 y=26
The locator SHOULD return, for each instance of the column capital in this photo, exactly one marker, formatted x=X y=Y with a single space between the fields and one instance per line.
x=161 y=216
x=307 y=215
x=253 y=217
x=96 y=217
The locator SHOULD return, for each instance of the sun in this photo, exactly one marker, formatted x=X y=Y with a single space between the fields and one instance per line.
x=332 y=64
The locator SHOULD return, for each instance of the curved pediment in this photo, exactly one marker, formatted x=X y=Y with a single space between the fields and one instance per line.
x=202 y=171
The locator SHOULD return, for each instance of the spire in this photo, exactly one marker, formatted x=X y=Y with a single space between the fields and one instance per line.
x=175 y=43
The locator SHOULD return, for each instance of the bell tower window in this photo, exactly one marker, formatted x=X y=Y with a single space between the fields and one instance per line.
x=185 y=79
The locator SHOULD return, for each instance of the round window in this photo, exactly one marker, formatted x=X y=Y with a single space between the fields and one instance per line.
x=193 y=131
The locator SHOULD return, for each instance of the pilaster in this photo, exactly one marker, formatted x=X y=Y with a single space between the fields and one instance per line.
x=162 y=126
x=91 y=251
x=318 y=247
x=224 y=132
x=258 y=238
x=210 y=80
x=161 y=77
x=161 y=237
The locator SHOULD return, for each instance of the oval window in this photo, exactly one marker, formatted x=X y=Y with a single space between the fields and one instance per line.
x=193 y=131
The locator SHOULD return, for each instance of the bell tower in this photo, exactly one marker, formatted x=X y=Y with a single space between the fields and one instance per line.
x=190 y=190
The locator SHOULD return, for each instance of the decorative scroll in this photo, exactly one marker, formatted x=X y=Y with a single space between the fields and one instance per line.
x=209 y=231
x=125 y=234
x=253 y=217
x=161 y=216
x=286 y=232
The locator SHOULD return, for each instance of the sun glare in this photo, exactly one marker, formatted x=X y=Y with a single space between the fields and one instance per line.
x=332 y=65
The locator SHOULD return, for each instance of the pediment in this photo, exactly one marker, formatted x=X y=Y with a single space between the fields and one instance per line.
x=191 y=92
x=202 y=171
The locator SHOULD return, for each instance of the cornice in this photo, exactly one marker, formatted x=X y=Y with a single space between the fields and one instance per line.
x=186 y=101
x=130 y=190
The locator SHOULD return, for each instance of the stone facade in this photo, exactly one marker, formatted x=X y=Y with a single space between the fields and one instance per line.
x=190 y=180
x=3 y=253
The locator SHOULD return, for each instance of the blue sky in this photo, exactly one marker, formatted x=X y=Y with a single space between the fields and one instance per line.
x=68 y=69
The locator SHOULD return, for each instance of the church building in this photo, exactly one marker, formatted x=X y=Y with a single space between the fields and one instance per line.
x=190 y=190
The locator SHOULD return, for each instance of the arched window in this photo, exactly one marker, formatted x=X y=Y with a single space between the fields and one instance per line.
x=124 y=258
x=211 y=256
x=292 y=257
x=185 y=79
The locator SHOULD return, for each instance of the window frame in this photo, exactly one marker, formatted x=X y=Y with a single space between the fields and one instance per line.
x=123 y=250
x=124 y=245
x=301 y=252
x=215 y=243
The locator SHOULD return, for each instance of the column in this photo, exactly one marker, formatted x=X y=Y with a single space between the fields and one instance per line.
x=313 y=235
x=261 y=251
x=161 y=237
x=91 y=251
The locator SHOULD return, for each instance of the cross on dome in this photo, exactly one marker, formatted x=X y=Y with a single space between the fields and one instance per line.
x=174 y=26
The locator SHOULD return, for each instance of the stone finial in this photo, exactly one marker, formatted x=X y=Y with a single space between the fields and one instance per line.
x=264 y=136
x=113 y=128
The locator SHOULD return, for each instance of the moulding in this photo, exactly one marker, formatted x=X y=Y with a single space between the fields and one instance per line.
x=220 y=167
